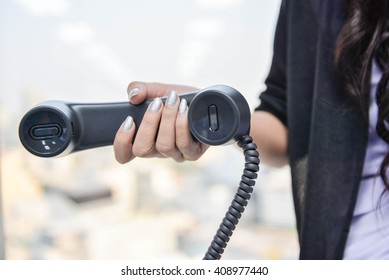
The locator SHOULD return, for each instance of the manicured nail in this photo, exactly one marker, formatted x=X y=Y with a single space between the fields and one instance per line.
x=156 y=104
x=171 y=99
x=182 y=107
x=132 y=93
x=127 y=124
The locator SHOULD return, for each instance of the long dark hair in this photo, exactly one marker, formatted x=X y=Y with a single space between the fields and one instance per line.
x=364 y=37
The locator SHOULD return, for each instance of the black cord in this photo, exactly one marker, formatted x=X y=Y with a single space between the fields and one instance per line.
x=239 y=202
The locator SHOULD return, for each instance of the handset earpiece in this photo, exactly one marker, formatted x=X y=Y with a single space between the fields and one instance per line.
x=217 y=115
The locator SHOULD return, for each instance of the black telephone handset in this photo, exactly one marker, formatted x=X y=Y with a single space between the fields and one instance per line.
x=217 y=115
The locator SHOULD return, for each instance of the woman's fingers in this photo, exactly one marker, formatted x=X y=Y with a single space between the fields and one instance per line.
x=139 y=91
x=144 y=144
x=164 y=130
x=123 y=141
x=166 y=140
x=190 y=149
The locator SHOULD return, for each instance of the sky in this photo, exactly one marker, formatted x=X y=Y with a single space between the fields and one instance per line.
x=90 y=50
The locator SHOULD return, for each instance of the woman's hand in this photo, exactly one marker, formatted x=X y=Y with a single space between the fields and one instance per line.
x=164 y=130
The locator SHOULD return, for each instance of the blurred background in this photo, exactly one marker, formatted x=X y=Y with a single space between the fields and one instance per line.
x=87 y=206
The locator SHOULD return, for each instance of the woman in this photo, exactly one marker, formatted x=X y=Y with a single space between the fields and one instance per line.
x=324 y=112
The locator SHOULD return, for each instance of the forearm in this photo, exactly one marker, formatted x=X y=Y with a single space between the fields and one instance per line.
x=270 y=135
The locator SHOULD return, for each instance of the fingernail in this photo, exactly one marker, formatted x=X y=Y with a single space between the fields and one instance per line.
x=132 y=93
x=171 y=99
x=182 y=107
x=127 y=124
x=156 y=105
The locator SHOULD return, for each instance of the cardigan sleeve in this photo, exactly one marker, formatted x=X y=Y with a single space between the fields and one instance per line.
x=273 y=99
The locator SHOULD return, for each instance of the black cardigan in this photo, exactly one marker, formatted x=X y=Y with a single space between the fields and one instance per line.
x=327 y=131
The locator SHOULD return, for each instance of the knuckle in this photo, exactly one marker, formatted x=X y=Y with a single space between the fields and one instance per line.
x=180 y=125
x=141 y=151
x=164 y=148
x=179 y=159
x=193 y=153
x=184 y=145
x=192 y=157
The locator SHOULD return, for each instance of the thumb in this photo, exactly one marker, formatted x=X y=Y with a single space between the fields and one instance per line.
x=139 y=91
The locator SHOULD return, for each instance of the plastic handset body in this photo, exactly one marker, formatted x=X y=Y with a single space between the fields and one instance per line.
x=57 y=128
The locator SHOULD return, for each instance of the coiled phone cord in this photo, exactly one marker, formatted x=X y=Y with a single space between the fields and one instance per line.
x=239 y=202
